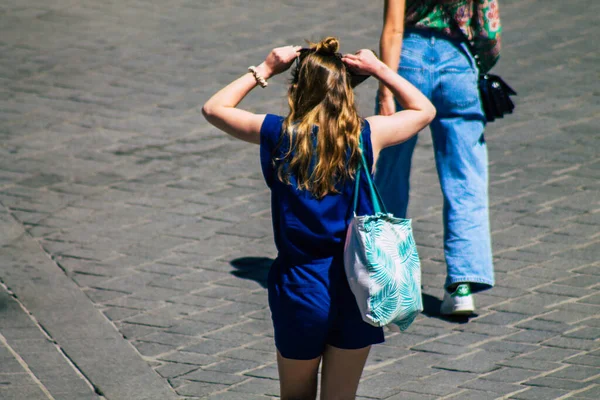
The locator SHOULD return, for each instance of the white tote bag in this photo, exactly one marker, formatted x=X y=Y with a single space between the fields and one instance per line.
x=382 y=264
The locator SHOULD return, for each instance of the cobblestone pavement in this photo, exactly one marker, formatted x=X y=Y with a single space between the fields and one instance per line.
x=111 y=180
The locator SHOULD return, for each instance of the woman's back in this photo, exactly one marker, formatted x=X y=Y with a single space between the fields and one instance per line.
x=307 y=227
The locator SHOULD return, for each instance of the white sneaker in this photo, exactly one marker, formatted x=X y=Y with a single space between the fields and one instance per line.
x=460 y=302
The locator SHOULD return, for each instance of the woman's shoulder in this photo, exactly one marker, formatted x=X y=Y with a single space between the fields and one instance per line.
x=272 y=122
x=270 y=130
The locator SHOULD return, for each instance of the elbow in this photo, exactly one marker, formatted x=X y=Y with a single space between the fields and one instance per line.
x=206 y=111
x=430 y=113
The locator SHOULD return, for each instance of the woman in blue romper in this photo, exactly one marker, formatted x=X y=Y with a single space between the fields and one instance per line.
x=309 y=160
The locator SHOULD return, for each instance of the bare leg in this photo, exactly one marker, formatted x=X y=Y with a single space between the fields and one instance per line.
x=341 y=372
x=298 y=378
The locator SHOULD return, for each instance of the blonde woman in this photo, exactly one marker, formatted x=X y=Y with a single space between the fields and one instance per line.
x=309 y=160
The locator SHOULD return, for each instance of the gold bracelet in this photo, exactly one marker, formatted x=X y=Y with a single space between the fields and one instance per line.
x=259 y=79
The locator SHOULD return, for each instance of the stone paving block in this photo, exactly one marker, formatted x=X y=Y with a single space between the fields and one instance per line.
x=76 y=396
x=250 y=355
x=501 y=318
x=430 y=388
x=592 y=393
x=74 y=384
x=380 y=386
x=508 y=348
x=269 y=372
x=267 y=344
x=182 y=357
x=10 y=366
x=544 y=325
x=589 y=270
x=571 y=343
x=30 y=392
x=174 y=370
x=208 y=347
x=539 y=393
x=464 y=339
x=266 y=387
x=199 y=389
x=532 y=364
x=215 y=377
x=152 y=349
x=382 y=353
x=486 y=329
x=501 y=388
x=234 y=366
x=593 y=299
x=563 y=290
x=170 y=339
x=155 y=293
x=192 y=327
x=535 y=271
x=236 y=396
x=531 y=336
x=411 y=396
x=472 y=395
x=582 y=281
x=557 y=383
x=439 y=348
x=582 y=308
x=153 y=320
x=197 y=301
x=584 y=333
x=256 y=326
x=584 y=359
x=575 y=372
x=510 y=375
x=216 y=318
x=477 y=362
x=21 y=378
x=552 y=354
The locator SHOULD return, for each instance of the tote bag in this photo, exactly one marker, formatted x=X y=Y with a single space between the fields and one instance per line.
x=381 y=262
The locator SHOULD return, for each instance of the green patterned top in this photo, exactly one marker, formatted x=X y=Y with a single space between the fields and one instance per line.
x=479 y=21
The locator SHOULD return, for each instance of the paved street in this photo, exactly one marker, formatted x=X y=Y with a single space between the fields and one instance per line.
x=135 y=239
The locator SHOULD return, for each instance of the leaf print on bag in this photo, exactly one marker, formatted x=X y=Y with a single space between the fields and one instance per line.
x=382 y=265
x=384 y=304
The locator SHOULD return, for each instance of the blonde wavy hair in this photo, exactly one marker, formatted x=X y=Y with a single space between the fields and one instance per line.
x=320 y=96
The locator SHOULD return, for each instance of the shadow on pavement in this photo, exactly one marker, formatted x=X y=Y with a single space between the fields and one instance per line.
x=431 y=308
x=257 y=269
x=253 y=268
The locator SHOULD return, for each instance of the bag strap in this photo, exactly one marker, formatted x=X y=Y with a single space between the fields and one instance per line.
x=378 y=206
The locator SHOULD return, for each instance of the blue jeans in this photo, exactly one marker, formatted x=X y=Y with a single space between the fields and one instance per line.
x=444 y=70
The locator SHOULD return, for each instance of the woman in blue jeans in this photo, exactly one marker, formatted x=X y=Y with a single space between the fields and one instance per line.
x=425 y=41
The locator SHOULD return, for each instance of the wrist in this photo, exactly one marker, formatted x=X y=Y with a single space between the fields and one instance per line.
x=379 y=70
x=384 y=92
x=264 y=71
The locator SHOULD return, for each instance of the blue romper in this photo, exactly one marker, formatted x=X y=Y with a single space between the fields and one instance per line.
x=310 y=300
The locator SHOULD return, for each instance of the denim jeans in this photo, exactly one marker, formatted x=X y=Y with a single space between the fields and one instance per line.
x=444 y=70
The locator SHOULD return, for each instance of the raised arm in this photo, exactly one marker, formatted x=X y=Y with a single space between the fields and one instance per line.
x=417 y=111
x=220 y=110
x=390 y=48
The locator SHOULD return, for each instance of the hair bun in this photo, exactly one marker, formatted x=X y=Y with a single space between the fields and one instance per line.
x=329 y=45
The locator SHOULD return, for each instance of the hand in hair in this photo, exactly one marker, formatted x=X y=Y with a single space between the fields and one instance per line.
x=279 y=60
x=363 y=62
